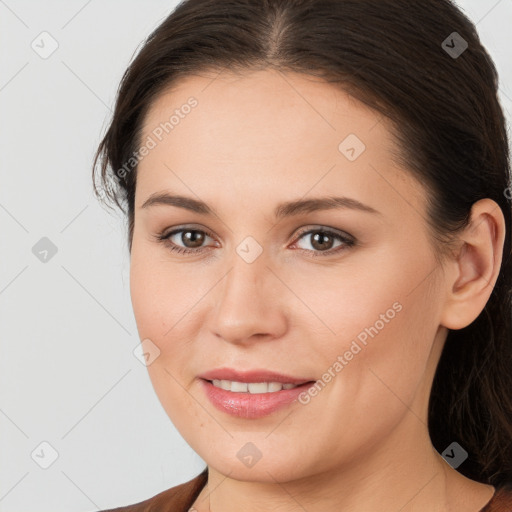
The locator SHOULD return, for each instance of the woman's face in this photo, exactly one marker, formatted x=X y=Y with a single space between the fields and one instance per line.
x=283 y=293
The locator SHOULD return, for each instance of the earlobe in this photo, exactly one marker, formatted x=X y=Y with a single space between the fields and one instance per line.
x=477 y=265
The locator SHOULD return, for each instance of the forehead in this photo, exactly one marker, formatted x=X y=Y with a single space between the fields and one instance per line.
x=265 y=128
x=270 y=99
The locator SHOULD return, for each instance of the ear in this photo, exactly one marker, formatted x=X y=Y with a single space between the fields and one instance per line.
x=473 y=272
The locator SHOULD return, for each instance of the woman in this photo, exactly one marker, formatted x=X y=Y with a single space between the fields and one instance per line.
x=319 y=218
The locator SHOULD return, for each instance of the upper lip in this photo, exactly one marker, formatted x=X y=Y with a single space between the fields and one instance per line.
x=251 y=376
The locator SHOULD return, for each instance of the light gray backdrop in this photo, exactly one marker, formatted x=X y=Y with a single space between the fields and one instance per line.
x=81 y=427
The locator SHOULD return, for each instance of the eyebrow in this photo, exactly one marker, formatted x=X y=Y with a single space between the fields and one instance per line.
x=286 y=209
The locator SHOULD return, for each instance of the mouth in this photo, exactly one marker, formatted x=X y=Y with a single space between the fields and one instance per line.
x=254 y=394
x=252 y=377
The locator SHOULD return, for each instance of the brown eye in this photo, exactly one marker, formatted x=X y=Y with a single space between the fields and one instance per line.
x=192 y=238
x=185 y=240
x=324 y=240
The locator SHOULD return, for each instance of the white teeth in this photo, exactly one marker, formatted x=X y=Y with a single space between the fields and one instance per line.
x=258 y=387
x=225 y=384
x=251 y=387
x=274 y=386
x=239 y=387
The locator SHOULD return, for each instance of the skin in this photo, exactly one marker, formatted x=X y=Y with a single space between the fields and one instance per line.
x=255 y=140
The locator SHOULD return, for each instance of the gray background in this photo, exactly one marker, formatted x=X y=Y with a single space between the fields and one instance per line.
x=68 y=375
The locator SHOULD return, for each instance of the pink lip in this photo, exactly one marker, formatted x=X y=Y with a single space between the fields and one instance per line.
x=252 y=376
x=249 y=405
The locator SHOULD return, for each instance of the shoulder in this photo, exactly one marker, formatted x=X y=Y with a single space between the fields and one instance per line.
x=175 y=499
x=501 y=501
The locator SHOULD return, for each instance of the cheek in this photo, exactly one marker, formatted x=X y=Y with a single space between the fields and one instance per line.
x=162 y=293
x=382 y=323
x=162 y=303
x=369 y=374
x=166 y=300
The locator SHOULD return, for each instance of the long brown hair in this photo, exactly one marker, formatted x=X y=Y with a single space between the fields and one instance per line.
x=403 y=59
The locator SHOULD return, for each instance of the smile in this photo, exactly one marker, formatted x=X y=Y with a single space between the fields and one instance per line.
x=251 y=387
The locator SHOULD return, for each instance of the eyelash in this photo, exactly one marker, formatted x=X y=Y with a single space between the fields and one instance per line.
x=348 y=242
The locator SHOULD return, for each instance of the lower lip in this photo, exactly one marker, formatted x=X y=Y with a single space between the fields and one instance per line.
x=249 y=405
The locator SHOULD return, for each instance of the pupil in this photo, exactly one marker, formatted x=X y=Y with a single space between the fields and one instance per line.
x=195 y=237
x=320 y=239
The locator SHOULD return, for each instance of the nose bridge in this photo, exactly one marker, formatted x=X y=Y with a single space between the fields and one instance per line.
x=244 y=305
x=248 y=270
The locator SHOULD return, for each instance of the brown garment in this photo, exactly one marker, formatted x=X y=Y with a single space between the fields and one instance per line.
x=501 y=501
x=181 y=498
x=175 y=499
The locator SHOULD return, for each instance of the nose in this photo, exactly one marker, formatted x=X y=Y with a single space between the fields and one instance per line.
x=249 y=304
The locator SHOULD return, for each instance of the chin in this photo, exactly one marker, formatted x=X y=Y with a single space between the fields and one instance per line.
x=234 y=460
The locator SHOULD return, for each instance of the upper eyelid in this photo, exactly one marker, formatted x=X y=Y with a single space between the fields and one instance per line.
x=327 y=229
